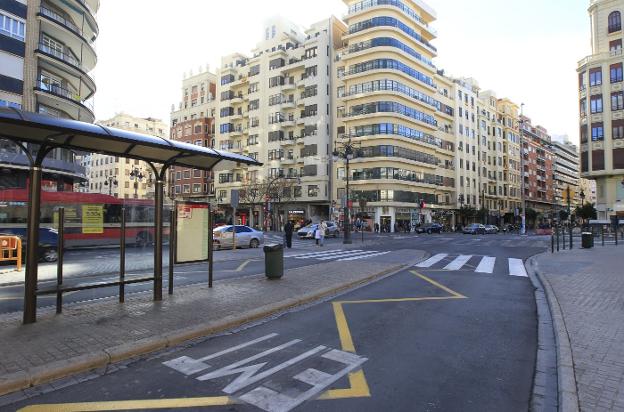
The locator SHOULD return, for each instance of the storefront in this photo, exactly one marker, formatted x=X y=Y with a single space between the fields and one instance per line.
x=297 y=217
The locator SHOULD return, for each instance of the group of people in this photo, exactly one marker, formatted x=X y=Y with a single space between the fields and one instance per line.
x=319 y=233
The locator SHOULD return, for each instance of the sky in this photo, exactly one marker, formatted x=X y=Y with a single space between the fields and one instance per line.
x=526 y=50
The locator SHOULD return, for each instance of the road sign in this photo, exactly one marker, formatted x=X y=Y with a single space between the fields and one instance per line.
x=234 y=198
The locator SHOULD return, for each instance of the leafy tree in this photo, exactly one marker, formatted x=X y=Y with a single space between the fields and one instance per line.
x=587 y=211
x=483 y=214
x=531 y=217
x=563 y=215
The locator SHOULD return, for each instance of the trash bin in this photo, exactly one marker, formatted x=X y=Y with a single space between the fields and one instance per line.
x=587 y=240
x=274 y=261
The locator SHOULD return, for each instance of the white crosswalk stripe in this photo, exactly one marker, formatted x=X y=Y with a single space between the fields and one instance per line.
x=459 y=261
x=432 y=260
x=486 y=265
x=516 y=268
x=339 y=255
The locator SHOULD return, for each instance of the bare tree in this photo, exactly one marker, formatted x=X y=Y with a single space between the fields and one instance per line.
x=252 y=194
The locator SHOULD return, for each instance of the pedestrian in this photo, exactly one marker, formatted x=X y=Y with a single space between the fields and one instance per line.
x=317 y=234
x=288 y=232
x=322 y=228
x=376 y=227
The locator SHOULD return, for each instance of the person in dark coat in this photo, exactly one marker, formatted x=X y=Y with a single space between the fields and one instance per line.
x=288 y=232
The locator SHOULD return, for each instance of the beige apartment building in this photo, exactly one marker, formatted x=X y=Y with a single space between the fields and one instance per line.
x=121 y=177
x=275 y=106
x=601 y=102
x=387 y=110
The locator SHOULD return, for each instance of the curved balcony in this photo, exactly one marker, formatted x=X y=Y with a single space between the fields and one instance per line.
x=54 y=60
x=76 y=11
x=65 y=100
x=61 y=28
x=18 y=160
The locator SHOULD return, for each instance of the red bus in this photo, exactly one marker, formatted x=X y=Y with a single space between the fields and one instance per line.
x=90 y=219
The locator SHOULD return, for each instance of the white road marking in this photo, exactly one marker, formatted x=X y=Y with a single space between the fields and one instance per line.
x=363 y=256
x=516 y=268
x=486 y=265
x=459 y=261
x=346 y=254
x=432 y=260
x=312 y=254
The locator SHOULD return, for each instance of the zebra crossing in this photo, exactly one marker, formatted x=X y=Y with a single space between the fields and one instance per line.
x=296 y=242
x=339 y=255
x=480 y=264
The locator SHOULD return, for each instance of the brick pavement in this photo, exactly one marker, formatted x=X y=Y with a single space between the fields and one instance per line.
x=587 y=288
x=94 y=334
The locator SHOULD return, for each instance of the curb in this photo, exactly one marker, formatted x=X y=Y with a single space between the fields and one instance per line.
x=566 y=378
x=102 y=358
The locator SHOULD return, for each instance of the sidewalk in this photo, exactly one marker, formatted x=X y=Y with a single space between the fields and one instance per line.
x=93 y=335
x=585 y=290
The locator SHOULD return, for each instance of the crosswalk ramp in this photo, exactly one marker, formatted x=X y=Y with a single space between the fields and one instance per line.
x=339 y=255
x=478 y=264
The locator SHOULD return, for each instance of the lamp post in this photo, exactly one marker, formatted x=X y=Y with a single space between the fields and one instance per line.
x=461 y=208
x=110 y=181
x=347 y=154
x=137 y=176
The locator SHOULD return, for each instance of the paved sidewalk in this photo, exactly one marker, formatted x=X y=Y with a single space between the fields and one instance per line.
x=92 y=335
x=585 y=289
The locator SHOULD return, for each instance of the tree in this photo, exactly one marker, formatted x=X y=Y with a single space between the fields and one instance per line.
x=587 y=211
x=252 y=194
x=531 y=216
x=563 y=215
x=483 y=214
x=465 y=212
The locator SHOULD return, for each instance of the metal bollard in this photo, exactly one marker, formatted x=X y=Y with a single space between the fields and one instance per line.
x=571 y=242
x=552 y=242
x=60 y=245
x=563 y=237
x=557 y=232
x=602 y=232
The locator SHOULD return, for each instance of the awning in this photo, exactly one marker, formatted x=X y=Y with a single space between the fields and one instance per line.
x=41 y=129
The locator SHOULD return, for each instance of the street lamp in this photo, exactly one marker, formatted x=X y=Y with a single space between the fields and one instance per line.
x=347 y=154
x=138 y=176
x=461 y=208
x=110 y=181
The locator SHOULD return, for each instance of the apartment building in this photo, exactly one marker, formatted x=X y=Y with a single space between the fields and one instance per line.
x=122 y=177
x=538 y=166
x=274 y=106
x=193 y=122
x=46 y=54
x=509 y=122
x=566 y=174
x=387 y=108
x=601 y=102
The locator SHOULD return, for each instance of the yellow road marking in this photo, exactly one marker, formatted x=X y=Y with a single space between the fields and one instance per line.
x=358 y=385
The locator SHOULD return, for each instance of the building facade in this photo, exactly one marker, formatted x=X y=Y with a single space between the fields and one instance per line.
x=46 y=54
x=122 y=177
x=387 y=108
x=275 y=106
x=193 y=122
x=566 y=174
x=601 y=102
x=538 y=168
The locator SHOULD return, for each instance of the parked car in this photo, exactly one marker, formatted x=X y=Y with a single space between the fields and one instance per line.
x=475 y=229
x=491 y=229
x=309 y=231
x=430 y=228
x=48 y=241
x=245 y=237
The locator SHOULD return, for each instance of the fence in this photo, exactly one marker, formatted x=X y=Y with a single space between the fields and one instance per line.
x=564 y=238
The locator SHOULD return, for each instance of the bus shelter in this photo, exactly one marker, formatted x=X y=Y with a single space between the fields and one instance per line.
x=37 y=135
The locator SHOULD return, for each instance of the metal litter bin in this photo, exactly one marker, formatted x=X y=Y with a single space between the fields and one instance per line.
x=274 y=261
x=587 y=240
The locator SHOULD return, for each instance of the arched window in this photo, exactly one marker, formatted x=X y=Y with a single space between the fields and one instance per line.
x=615 y=22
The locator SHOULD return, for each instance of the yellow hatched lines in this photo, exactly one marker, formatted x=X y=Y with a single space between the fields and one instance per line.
x=358 y=386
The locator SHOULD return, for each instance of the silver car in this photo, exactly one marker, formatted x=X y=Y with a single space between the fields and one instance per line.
x=245 y=237
x=309 y=231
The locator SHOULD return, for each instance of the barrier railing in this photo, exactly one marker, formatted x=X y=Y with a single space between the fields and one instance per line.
x=11 y=250
x=564 y=237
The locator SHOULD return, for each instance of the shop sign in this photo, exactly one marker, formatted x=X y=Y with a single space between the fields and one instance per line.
x=296 y=212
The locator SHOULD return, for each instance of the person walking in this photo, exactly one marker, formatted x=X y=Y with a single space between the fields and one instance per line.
x=322 y=229
x=288 y=233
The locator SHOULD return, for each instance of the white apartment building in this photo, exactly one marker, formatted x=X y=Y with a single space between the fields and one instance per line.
x=275 y=106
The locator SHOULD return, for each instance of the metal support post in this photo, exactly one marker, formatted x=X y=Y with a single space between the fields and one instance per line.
x=557 y=231
x=552 y=242
x=60 y=246
x=234 y=229
x=570 y=237
x=563 y=235
x=172 y=246
x=122 y=256
x=602 y=234
x=210 y=245
x=32 y=258
x=158 y=238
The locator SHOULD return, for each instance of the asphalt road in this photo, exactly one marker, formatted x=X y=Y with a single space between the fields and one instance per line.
x=455 y=333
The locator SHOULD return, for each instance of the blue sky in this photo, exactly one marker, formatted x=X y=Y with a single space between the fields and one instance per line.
x=526 y=50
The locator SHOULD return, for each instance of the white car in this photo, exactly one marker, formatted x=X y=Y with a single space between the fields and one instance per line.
x=245 y=237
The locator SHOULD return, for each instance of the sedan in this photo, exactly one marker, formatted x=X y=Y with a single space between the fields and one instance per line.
x=491 y=229
x=245 y=237
x=309 y=231
x=474 y=229
x=430 y=228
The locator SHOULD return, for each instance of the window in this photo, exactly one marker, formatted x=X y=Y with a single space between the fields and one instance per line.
x=617 y=101
x=596 y=104
x=615 y=22
x=597 y=131
x=618 y=129
x=313 y=191
x=615 y=45
x=616 y=73
x=12 y=27
x=595 y=77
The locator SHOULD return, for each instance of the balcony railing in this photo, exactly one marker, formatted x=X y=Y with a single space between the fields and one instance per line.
x=61 y=19
x=68 y=58
x=68 y=94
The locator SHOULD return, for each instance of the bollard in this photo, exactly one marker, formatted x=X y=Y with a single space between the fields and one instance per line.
x=571 y=242
x=602 y=232
x=60 y=245
x=122 y=255
x=552 y=242
x=557 y=232
x=563 y=237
